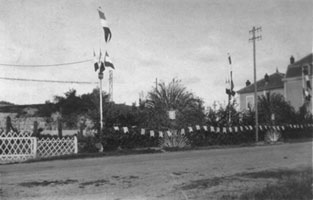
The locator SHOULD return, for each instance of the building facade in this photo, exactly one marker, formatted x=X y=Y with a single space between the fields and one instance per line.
x=295 y=85
x=298 y=83
x=269 y=84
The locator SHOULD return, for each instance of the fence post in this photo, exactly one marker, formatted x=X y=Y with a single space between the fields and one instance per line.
x=8 y=124
x=35 y=146
x=35 y=129
x=59 y=124
x=75 y=145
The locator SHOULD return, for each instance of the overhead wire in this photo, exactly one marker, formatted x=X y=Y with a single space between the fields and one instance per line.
x=45 y=65
x=47 y=81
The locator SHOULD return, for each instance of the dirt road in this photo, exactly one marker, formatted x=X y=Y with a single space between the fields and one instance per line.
x=149 y=176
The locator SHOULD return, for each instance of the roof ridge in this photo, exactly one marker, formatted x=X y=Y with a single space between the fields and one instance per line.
x=261 y=86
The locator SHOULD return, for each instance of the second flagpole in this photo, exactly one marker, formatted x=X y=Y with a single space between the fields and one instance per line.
x=100 y=76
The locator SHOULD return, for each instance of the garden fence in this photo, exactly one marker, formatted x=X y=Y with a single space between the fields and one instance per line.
x=20 y=146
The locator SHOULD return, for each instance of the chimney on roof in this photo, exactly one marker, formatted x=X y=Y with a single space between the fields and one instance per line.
x=292 y=60
x=248 y=83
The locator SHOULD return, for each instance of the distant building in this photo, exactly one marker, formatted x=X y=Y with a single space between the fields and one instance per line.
x=295 y=85
x=269 y=84
x=295 y=82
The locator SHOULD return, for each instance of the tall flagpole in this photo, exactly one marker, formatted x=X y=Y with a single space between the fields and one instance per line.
x=107 y=38
x=230 y=71
x=100 y=75
x=230 y=90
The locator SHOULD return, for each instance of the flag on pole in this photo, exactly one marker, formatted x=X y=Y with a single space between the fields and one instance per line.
x=107 y=61
x=230 y=84
x=105 y=26
x=96 y=61
x=100 y=63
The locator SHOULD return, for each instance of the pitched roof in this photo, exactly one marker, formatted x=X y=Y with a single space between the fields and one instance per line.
x=274 y=82
x=295 y=69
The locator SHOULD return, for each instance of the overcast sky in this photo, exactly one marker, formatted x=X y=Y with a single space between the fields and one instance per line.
x=164 y=39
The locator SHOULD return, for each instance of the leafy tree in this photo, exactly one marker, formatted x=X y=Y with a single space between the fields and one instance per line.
x=275 y=104
x=174 y=96
x=220 y=116
x=71 y=106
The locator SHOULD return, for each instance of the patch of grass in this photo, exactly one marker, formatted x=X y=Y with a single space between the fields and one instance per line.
x=46 y=183
x=291 y=185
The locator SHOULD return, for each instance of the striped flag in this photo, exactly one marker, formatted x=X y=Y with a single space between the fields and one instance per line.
x=104 y=24
x=107 y=61
x=100 y=63
x=230 y=84
x=96 y=61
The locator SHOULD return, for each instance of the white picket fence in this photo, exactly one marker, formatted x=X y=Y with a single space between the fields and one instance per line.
x=17 y=147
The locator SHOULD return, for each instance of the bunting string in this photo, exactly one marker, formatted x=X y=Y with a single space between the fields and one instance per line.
x=212 y=129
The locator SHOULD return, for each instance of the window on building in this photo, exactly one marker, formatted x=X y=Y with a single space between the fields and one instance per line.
x=249 y=102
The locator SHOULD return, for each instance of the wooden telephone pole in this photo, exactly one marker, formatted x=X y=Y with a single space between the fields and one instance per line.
x=253 y=39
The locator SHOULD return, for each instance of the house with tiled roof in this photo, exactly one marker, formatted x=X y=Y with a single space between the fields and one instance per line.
x=295 y=85
x=272 y=83
x=298 y=82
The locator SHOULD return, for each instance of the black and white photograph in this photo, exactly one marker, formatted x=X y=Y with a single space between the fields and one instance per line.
x=156 y=99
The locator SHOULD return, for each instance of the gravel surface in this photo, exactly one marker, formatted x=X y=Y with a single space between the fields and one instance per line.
x=171 y=175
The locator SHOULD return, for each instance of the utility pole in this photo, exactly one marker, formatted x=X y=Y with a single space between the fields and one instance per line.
x=253 y=39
